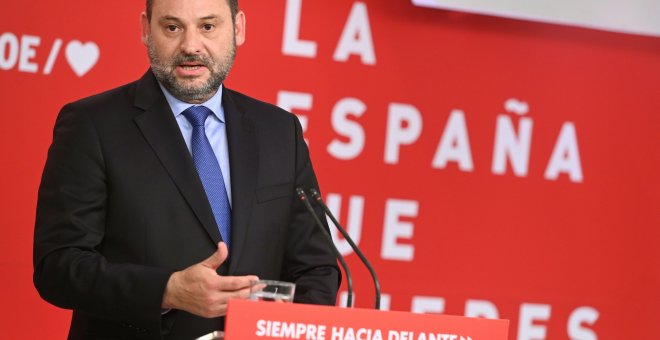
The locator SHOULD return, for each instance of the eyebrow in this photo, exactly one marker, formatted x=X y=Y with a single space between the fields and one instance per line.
x=169 y=18
x=173 y=18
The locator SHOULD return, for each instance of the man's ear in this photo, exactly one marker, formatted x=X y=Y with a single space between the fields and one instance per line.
x=146 y=28
x=239 y=28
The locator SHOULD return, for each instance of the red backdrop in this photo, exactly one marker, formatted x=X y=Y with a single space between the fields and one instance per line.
x=544 y=211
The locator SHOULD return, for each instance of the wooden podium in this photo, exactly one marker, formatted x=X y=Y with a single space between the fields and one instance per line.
x=247 y=320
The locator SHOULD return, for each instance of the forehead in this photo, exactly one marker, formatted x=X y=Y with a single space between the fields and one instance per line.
x=190 y=8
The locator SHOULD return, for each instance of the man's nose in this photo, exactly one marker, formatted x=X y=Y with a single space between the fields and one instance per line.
x=191 y=43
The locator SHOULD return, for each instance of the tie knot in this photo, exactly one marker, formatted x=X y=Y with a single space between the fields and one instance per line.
x=197 y=115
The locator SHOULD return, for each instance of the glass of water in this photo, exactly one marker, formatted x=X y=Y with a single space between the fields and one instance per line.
x=270 y=290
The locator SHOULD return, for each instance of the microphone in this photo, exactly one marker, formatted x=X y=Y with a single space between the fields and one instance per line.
x=315 y=195
x=349 y=280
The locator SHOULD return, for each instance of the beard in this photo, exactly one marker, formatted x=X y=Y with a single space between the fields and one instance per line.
x=189 y=92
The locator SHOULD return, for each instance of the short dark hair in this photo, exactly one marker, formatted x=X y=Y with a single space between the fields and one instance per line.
x=233 y=6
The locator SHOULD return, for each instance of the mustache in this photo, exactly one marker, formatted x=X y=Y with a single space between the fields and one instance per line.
x=192 y=58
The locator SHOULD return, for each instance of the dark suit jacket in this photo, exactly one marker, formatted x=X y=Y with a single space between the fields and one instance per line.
x=121 y=207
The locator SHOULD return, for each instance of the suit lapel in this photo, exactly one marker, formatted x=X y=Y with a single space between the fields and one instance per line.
x=242 y=143
x=161 y=131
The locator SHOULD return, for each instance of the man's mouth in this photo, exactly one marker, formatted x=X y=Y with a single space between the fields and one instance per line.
x=189 y=67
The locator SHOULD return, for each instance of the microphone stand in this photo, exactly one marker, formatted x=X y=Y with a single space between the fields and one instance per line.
x=349 y=280
x=315 y=195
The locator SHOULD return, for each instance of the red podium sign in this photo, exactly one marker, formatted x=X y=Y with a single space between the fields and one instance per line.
x=268 y=320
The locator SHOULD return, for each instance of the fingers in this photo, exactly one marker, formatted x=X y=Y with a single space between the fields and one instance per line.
x=216 y=305
x=237 y=294
x=199 y=290
x=204 y=298
x=234 y=283
x=217 y=258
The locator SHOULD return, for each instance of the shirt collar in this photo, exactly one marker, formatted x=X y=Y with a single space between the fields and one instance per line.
x=178 y=106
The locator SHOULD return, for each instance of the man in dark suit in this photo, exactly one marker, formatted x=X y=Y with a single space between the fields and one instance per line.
x=138 y=201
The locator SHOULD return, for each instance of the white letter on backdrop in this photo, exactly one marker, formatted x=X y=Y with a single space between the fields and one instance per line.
x=566 y=155
x=27 y=54
x=582 y=315
x=394 y=230
x=427 y=304
x=8 y=47
x=397 y=135
x=454 y=145
x=290 y=101
x=354 y=224
x=481 y=309
x=356 y=37
x=529 y=313
x=512 y=146
x=292 y=44
x=347 y=128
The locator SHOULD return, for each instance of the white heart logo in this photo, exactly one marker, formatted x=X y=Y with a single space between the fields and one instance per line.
x=82 y=57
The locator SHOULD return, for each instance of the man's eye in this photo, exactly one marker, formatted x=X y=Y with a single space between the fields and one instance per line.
x=208 y=27
x=172 y=28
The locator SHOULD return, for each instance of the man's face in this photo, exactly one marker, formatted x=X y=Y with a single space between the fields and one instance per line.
x=191 y=45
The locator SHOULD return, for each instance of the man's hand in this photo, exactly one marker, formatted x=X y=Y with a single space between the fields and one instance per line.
x=199 y=290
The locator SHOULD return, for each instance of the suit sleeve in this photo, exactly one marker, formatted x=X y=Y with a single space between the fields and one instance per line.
x=69 y=271
x=309 y=260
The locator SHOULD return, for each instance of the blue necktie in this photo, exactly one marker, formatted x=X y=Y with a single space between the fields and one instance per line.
x=209 y=170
